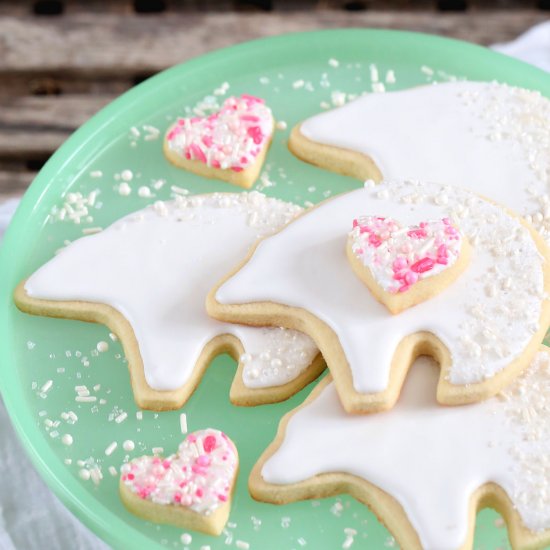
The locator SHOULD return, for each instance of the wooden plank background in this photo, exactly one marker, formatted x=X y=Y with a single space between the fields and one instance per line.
x=61 y=61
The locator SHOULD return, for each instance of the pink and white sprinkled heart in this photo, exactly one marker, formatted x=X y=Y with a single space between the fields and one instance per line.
x=199 y=477
x=398 y=257
x=229 y=139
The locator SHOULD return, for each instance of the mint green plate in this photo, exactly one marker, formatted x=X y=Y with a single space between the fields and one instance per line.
x=288 y=72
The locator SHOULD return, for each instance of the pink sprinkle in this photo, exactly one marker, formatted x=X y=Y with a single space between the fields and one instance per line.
x=410 y=278
x=199 y=492
x=417 y=233
x=203 y=460
x=399 y=263
x=423 y=265
x=130 y=477
x=197 y=152
x=250 y=118
x=166 y=464
x=209 y=443
x=208 y=141
x=255 y=132
x=223 y=498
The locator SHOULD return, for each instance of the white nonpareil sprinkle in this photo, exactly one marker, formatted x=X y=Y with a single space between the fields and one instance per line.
x=127 y=175
x=96 y=173
x=113 y=471
x=157 y=450
x=139 y=415
x=144 y=192
x=242 y=545
x=281 y=125
x=183 y=423
x=111 y=448
x=298 y=84
x=47 y=386
x=128 y=445
x=124 y=189
x=333 y=62
x=84 y=474
x=390 y=77
x=186 y=538
x=102 y=346
x=67 y=439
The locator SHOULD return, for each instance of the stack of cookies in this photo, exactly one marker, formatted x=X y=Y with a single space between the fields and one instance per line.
x=425 y=294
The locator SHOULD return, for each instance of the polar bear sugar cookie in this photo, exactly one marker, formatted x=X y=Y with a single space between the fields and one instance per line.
x=147 y=277
x=488 y=137
x=423 y=469
x=483 y=328
x=403 y=266
x=230 y=144
x=191 y=489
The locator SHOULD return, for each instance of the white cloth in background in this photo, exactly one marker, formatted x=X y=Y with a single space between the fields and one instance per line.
x=532 y=46
x=31 y=517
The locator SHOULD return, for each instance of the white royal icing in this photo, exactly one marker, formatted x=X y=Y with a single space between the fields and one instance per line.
x=486 y=318
x=398 y=257
x=199 y=477
x=156 y=267
x=432 y=458
x=491 y=138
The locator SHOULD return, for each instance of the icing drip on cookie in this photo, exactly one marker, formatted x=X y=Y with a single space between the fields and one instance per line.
x=432 y=458
x=200 y=476
x=489 y=137
x=231 y=138
x=486 y=318
x=173 y=254
x=399 y=257
x=280 y=357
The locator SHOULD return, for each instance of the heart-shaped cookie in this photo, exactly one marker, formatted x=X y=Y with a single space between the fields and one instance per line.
x=403 y=266
x=229 y=144
x=191 y=489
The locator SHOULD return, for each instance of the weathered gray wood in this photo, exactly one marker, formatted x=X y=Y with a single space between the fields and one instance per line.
x=111 y=44
x=65 y=111
x=36 y=126
x=13 y=183
x=90 y=57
